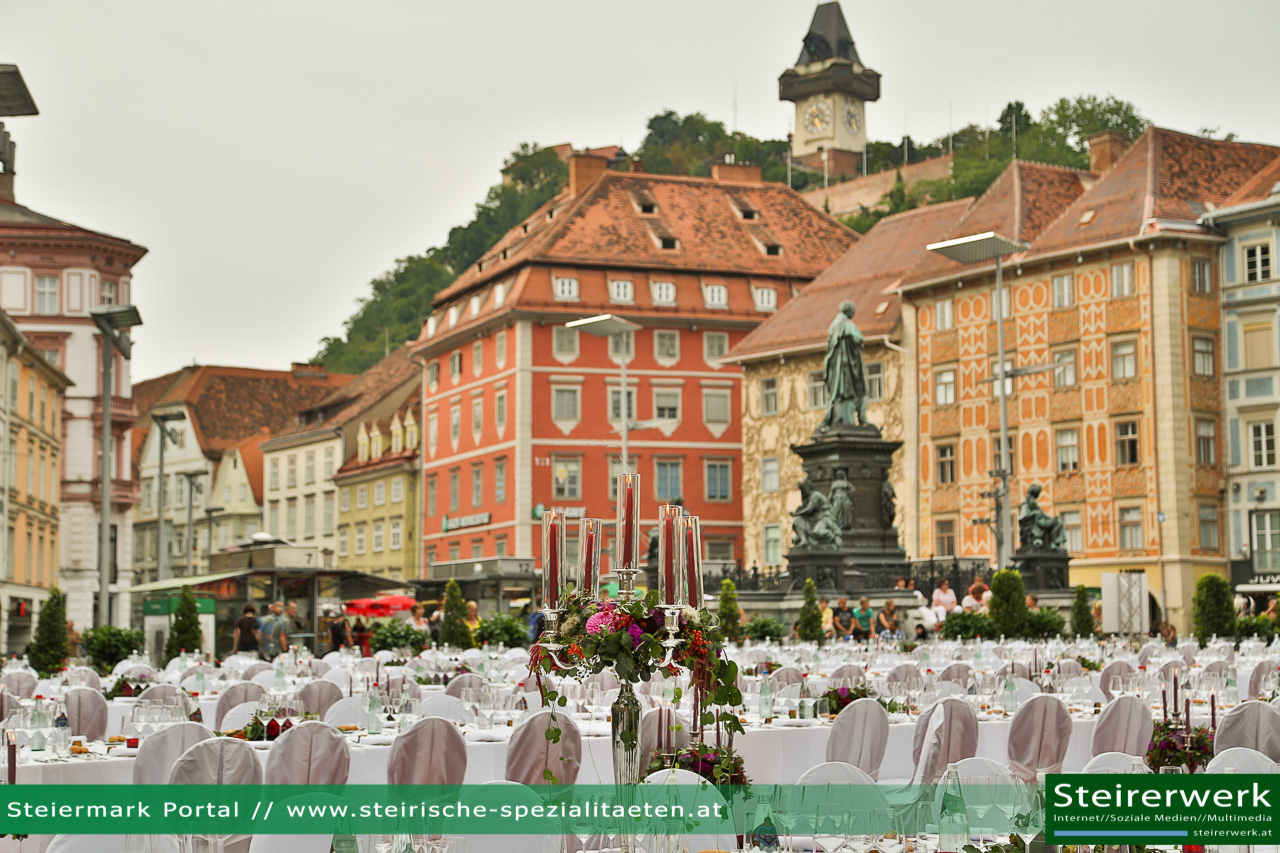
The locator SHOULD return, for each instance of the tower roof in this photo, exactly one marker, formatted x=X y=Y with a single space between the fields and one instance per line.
x=828 y=37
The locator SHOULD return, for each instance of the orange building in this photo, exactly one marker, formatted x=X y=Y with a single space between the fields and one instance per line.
x=521 y=413
x=1117 y=295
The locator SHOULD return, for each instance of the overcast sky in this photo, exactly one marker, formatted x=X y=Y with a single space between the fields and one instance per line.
x=274 y=156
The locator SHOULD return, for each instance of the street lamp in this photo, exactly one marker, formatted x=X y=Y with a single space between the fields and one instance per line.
x=210 y=512
x=190 y=545
x=973 y=249
x=164 y=570
x=114 y=322
x=606 y=326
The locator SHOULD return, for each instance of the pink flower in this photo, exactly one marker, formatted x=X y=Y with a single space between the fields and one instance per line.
x=600 y=623
x=636 y=633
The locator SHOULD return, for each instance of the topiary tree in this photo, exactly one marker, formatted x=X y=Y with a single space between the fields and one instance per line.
x=764 y=628
x=1045 y=623
x=49 y=648
x=502 y=628
x=453 y=625
x=1081 y=614
x=1008 y=604
x=730 y=612
x=108 y=645
x=184 y=631
x=967 y=626
x=397 y=634
x=1213 y=610
x=810 y=627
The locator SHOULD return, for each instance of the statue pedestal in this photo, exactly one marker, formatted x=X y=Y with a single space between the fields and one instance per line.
x=868 y=555
x=1043 y=570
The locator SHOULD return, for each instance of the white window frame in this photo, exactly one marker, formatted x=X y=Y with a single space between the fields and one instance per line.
x=1262 y=445
x=945 y=467
x=817 y=390
x=1127 y=360
x=722 y=339
x=658 y=464
x=766 y=298
x=1122 y=280
x=1262 y=262
x=565 y=289
x=718 y=393
x=1206 y=441
x=771 y=544
x=670 y=336
x=1201 y=275
x=397 y=489
x=362 y=532
x=1067 y=449
x=1064 y=368
x=770 y=389
x=1209 y=527
x=622 y=291
x=46 y=289
x=395 y=539
x=874 y=372
x=669 y=392
x=344 y=500
x=1072 y=526
x=362 y=496
x=707 y=466
x=559 y=392
x=1204 y=356
x=715 y=296
x=1064 y=290
x=1128 y=520
x=663 y=292
x=342 y=541
x=770 y=474
x=564 y=342
x=571 y=488
x=944 y=311
x=944 y=379
x=380 y=493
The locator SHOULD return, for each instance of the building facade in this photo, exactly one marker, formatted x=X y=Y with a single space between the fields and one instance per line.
x=211 y=411
x=1250 y=291
x=301 y=460
x=52 y=274
x=1115 y=299
x=523 y=413
x=782 y=361
x=236 y=498
x=378 y=511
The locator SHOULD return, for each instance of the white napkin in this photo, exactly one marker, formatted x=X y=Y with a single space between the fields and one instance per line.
x=377 y=740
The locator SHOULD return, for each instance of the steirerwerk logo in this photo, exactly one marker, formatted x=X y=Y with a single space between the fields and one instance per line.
x=1224 y=809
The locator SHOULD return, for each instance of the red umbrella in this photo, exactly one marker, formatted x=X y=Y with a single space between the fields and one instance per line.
x=366 y=607
x=395 y=602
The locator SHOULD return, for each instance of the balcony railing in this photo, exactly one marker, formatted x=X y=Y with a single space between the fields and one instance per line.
x=122 y=409
x=122 y=491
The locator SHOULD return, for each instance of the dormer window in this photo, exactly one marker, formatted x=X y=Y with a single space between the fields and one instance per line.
x=772 y=249
x=499 y=294
x=475 y=305
x=525 y=227
x=716 y=295
x=621 y=290
x=748 y=213
x=566 y=289
x=362 y=448
x=504 y=254
x=670 y=243
x=453 y=316
x=648 y=207
x=479 y=266
x=431 y=325
x=411 y=436
x=766 y=298
x=664 y=293
x=397 y=440
x=377 y=445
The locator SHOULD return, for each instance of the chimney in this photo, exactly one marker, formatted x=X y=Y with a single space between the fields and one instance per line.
x=737 y=173
x=303 y=370
x=636 y=165
x=6 y=186
x=584 y=169
x=1105 y=148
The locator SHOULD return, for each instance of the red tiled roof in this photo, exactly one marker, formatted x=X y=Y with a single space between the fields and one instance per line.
x=347 y=403
x=1019 y=204
x=250 y=450
x=228 y=403
x=408 y=454
x=1259 y=187
x=16 y=219
x=1166 y=179
x=865 y=274
x=603 y=225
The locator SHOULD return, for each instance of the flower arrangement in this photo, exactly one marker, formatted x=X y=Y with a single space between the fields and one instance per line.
x=719 y=765
x=253 y=730
x=1172 y=745
x=838 y=698
x=129 y=686
x=1089 y=664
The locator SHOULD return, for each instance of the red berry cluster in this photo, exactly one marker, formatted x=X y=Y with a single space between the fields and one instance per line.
x=695 y=645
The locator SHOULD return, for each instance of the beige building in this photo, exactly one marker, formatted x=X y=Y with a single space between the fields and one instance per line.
x=784 y=395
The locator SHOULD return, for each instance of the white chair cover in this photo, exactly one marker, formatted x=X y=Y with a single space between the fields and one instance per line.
x=786 y=675
x=310 y=753
x=319 y=696
x=1070 y=668
x=1109 y=762
x=157 y=754
x=1145 y=654
x=945 y=733
x=607 y=681
x=237 y=694
x=943 y=689
x=320 y=667
x=657 y=732
x=444 y=705
x=163 y=693
x=265 y=679
x=957 y=673
x=1241 y=759
x=1026 y=689
x=253 y=669
x=1255 y=680
x=87 y=712
x=432 y=752
x=340 y=677
x=850 y=671
x=384 y=655
x=348 y=711
x=208 y=668
x=99 y=843
x=858 y=736
x=1167 y=671
x=1253 y=724
x=1020 y=670
x=466 y=681
x=1038 y=737
x=903 y=672
x=530 y=753
x=1188 y=653
x=217 y=761
x=1115 y=668
x=839 y=773
x=141 y=670
x=690 y=795
x=1124 y=726
x=1217 y=667
x=323 y=843
x=332 y=657
x=88 y=676
x=995 y=773
x=238 y=717
x=20 y=682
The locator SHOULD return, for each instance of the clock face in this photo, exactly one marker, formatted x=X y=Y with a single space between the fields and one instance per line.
x=852 y=118
x=819 y=117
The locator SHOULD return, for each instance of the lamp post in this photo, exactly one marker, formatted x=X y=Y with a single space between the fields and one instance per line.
x=164 y=570
x=114 y=322
x=193 y=489
x=210 y=512
x=973 y=249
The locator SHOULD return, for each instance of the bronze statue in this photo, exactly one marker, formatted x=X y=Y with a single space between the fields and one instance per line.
x=815 y=524
x=1037 y=530
x=888 y=509
x=843 y=374
x=842 y=501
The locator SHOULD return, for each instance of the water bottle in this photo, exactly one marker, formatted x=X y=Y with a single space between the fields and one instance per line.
x=61 y=721
x=766 y=696
x=1009 y=700
x=924 y=657
x=375 y=711
x=281 y=685
x=202 y=681
x=1231 y=693
x=953 y=821
x=805 y=705
x=764 y=836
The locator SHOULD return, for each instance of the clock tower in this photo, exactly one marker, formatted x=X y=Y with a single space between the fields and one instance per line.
x=830 y=87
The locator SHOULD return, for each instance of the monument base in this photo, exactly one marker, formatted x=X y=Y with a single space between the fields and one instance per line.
x=1043 y=570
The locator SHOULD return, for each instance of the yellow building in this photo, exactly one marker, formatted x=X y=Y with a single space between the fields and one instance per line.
x=33 y=400
x=378 y=497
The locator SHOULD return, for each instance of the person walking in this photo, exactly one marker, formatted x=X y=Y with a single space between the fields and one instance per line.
x=274 y=632
x=340 y=633
x=244 y=636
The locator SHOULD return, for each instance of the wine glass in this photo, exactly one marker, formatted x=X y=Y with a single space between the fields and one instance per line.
x=787 y=807
x=1030 y=823
x=582 y=825
x=1006 y=796
x=829 y=825
x=977 y=797
x=885 y=829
